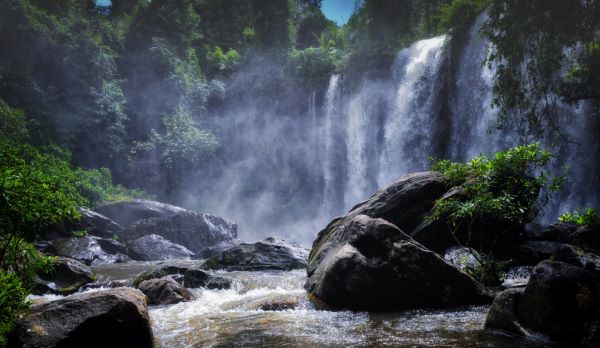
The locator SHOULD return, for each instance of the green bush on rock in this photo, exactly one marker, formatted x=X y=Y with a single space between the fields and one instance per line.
x=579 y=217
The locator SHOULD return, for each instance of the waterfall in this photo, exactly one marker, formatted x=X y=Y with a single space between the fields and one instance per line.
x=332 y=138
x=407 y=131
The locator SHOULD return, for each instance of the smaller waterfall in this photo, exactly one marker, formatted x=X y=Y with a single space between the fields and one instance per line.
x=413 y=116
x=331 y=145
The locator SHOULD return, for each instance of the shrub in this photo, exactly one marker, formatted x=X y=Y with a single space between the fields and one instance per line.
x=588 y=217
x=12 y=302
x=80 y=234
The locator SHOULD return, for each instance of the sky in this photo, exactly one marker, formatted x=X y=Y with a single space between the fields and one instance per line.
x=338 y=10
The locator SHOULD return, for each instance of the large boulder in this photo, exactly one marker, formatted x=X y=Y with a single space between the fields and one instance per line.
x=560 y=232
x=189 y=277
x=128 y=212
x=109 y=318
x=371 y=264
x=195 y=231
x=165 y=291
x=153 y=247
x=270 y=254
x=534 y=252
x=586 y=237
x=87 y=250
x=93 y=223
x=560 y=302
x=66 y=278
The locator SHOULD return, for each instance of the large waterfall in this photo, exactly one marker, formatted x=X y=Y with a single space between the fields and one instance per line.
x=294 y=173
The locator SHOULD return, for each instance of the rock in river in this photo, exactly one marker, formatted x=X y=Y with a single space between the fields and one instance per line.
x=154 y=247
x=370 y=264
x=270 y=254
x=68 y=276
x=560 y=302
x=165 y=291
x=88 y=250
x=110 y=318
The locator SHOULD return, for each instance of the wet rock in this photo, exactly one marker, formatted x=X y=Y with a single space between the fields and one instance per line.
x=195 y=231
x=578 y=257
x=68 y=276
x=154 y=247
x=276 y=303
x=196 y=278
x=110 y=318
x=108 y=284
x=86 y=250
x=560 y=232
x=463 y=257
x=586 y=237
x=561 y=302
x=93 y=223
x=218 y=248
x=532 y=253
x=371 y=264
x=128 y=212
x=165 y=291
x=159 y=272
x=270 y=254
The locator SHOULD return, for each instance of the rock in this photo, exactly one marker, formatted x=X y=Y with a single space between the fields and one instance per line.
x=161 y=271
x=195 y=231
x=463 y=257
x=370 y=264
x=577 y=257
x=218 y=248
x=69 y=275
x=109 y=318
x=269 y=254
x=86 y=250
x=560 y=232
x=586 y=237
x=165 y=291
x=196 y=278
x=272 y=302
x=128 y=212
x=93 y=223
x=502 y=314
x=532 y=253
x=154 y=247
x=561 y=302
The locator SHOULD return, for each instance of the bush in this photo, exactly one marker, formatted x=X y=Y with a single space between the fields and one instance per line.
x=12 y=302
x=588 y=217
x=503 y=188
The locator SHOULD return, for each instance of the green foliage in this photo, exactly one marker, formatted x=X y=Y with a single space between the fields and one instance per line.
x=13 y=123
x=487 y=271
x=460 y=13
x=80 y=234
x=579 y=217
x=545 y=52
x=503 y=188
x=12 y=302
x=312 y=67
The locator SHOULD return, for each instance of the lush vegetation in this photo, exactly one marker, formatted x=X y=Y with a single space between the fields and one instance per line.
x=504 y=191
x=38 y=188
x=588 y=216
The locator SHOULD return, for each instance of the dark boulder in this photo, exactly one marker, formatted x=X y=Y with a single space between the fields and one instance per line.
x=560 y=302
x=154 y=247
x=270 y=254
x=218 y=248
x=159 y=272
x=86 y=249
x=67 y=277
x=560 y=232
x=195 y=231
x=532 y=253
x=93 y=223
x=164 y=291
x=370 y=264
x=109 y=318
x=196 y=278
x=578 y=257
x=586 y=237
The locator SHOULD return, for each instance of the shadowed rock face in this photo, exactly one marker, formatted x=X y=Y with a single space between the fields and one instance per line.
x=93 y=223
x=369 y=263
x=110 y=318
x=560 y=302
x=154 y=248
x=270 y=254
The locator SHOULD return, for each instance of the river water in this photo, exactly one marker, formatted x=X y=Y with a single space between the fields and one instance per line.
x=234 y=318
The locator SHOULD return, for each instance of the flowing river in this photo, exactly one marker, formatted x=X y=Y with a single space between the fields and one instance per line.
x=234 y=318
